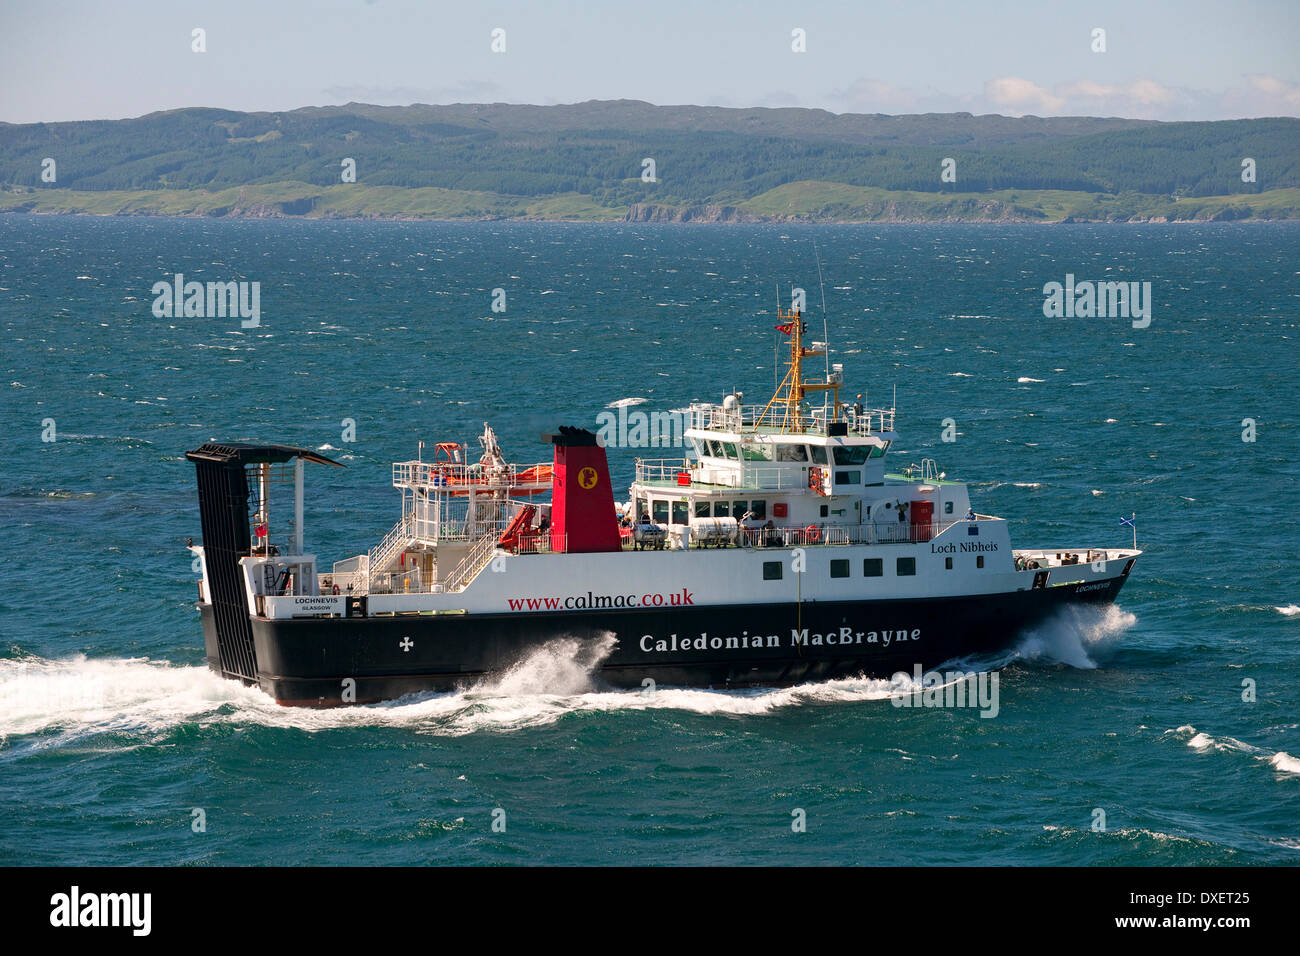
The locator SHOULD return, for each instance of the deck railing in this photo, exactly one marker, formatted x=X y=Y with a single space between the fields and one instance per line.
x=395 y=541
x=743 y=419
x=463 y=477
x=747 y=475
x=544 y=543
x=815 y=535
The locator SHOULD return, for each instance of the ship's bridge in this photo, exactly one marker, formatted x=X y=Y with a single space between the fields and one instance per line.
x=811 y=460
x=734 y=417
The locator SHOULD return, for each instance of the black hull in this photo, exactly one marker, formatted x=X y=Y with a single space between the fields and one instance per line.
x=309 y=661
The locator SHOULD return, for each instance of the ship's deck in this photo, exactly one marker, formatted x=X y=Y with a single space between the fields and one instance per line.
x=672 y=483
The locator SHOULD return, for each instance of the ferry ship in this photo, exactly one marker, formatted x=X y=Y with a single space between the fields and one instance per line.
x=778 y=550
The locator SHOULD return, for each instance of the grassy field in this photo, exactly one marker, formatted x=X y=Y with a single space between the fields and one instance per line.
x=343 y=201
x=800 y=201
x=839 y=202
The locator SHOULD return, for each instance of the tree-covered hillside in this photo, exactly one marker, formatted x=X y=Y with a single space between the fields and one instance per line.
x=702 y=156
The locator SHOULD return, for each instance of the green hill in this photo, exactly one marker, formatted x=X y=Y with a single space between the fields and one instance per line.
x=584 y=161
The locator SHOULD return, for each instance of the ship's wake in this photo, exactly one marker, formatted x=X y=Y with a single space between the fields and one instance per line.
x=51 y=703
x=45 y=703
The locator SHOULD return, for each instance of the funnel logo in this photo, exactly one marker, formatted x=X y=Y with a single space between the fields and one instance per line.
x=587 y=478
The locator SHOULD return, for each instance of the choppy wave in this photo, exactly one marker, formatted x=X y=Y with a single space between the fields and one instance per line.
x=1290 y=610
x=1024 y=379
x=1205 y=743
x=59 y=494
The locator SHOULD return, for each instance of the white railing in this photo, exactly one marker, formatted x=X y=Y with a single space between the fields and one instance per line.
x=544 y=543
x=453 y=477
x=1065 y=558
x=901 y=532
x=470 y=565
x=408 y=580
x=749 y=418
x=789 y=536
x=927 y=472
x=394 y=542
x=348 y=582
x=682 y=472
x=426 y=529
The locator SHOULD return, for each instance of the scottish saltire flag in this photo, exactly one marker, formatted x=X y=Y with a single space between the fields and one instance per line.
x=1131 y=522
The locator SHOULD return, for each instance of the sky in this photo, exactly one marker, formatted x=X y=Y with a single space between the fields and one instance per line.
x=1162 y=60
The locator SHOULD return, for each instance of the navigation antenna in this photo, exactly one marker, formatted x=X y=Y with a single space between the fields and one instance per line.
x=826 y=335
x=776 y=348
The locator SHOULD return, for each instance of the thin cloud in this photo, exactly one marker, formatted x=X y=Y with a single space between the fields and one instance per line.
x=1140 y=98
x=467 y=91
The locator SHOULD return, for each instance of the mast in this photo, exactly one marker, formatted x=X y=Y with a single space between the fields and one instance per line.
x=783 y=410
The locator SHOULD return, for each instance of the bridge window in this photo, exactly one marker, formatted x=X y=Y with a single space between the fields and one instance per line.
x=818 y=455
x=906 y=566
x=738 y=509
x=840 y=568
x=878 y=451
x=702 y=509
x=760 y=510
x=791 y=453
x=771 y=570
x=873 y=567
x=680 y=513
x=659 y=511
x=756 y=451
x=851 y=454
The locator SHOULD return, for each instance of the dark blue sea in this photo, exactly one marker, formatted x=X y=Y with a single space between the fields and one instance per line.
x=1176 y=713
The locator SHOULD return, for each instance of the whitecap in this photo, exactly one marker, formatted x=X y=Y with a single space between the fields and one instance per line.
x=1284 y=762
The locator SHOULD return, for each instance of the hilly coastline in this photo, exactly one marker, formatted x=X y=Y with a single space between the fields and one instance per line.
x=632 y=161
